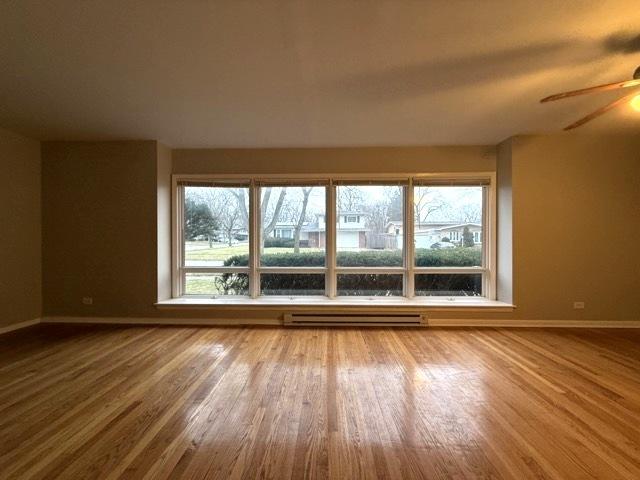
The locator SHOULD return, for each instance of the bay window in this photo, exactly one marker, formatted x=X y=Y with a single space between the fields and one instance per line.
x=344 y=237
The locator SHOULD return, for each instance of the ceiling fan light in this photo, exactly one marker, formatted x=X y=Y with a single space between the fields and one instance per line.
x=635 y=103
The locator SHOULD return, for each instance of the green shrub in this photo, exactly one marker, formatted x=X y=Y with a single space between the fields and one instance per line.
x=292 y=284
x=233 y=283
x=370 y=258
x=370 y=285
x=467 y=238
x=271 y=242
x=448 y=257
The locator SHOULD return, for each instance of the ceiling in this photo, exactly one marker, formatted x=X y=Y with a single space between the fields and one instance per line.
x=310 y=73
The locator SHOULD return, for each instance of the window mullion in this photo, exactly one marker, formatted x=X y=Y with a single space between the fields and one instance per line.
x=178 y=239
x=254 y=240
x=489 y=239
x=216 y=270
x=409 y=244
x=330 y=240
x=293 y=270
x=444 y=270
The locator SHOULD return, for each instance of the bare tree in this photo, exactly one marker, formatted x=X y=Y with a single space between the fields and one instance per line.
x=377 y=216
x=426 y=202
x=471 y=213
x=350 y=198
x=229 y=216
x=240 y=195
x=296 y=211
x=274 y=214
x=306 y=191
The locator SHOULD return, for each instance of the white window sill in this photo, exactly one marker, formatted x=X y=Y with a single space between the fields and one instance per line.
x=369 y=303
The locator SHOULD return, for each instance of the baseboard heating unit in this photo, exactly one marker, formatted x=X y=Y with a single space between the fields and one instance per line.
x=352 y=319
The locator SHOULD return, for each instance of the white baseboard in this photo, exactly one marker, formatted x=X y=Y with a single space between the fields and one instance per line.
x=19 y=325
x=466 y=322
x=164 y=321
x=432 y=322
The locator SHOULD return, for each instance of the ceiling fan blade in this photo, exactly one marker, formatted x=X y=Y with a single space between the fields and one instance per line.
x=599 y=88
x=601 y=111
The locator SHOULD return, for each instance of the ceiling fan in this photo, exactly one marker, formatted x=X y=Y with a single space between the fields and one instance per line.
x=634 y=98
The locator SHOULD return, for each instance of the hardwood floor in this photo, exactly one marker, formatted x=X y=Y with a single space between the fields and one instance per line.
x=156 y=403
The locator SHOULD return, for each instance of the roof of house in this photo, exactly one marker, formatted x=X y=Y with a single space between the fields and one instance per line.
x=452 y=227
x=436 y=226
x=355 y=212
x=426 y=225
x=315 y=227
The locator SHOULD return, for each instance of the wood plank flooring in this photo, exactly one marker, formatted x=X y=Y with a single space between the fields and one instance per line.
x=179 y=402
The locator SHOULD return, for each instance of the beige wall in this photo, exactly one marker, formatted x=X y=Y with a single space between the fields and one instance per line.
x=20 y=234
x=336 y=160
x=576 y=226
x=575 y=218
x=99 y=228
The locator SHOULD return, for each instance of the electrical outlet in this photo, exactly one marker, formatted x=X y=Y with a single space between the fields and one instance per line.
x=87 y=300
x=578 y=305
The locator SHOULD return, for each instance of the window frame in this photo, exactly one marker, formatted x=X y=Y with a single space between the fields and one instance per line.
x=179 y=269
x=254 y=279
x=254 y=182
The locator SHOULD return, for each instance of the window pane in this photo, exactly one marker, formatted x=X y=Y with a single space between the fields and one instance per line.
x=293 y=231
x=379 y=285
x=449 y=285
x=292 y=284
x=216 y=284
x=448 y=226
x=216 y=226
x=367 y=233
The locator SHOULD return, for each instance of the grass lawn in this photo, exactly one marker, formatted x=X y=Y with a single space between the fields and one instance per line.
x=203 y=285
x=222 y=253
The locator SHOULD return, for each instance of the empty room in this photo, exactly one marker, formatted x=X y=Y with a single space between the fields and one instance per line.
x=339 y=239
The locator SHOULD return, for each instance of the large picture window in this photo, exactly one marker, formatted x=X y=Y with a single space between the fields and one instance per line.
x=415 y=237
x=448 y=222
x=214 y=253
x=292 y=224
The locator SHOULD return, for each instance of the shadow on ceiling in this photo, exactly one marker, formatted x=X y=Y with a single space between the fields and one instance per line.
x=438 y=76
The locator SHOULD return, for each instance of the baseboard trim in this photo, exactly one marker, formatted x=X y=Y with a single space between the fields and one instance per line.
x=19 y=325
x=163 y=321
x=466 y=322
x=431 y=322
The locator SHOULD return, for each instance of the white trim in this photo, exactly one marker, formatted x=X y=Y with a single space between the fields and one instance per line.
x=255 y=233
x=377 y=304
x=215 y=270
x=490 y=234
x=330 y=245
x=19 y=325
x=318 y=270
x=431 y=322
x=162 y=321
x=331 y=270
x=444 y=270
x=321 y=178
x=370 y=270
x=176 y=240
x=408 y=238
x=468 y=322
